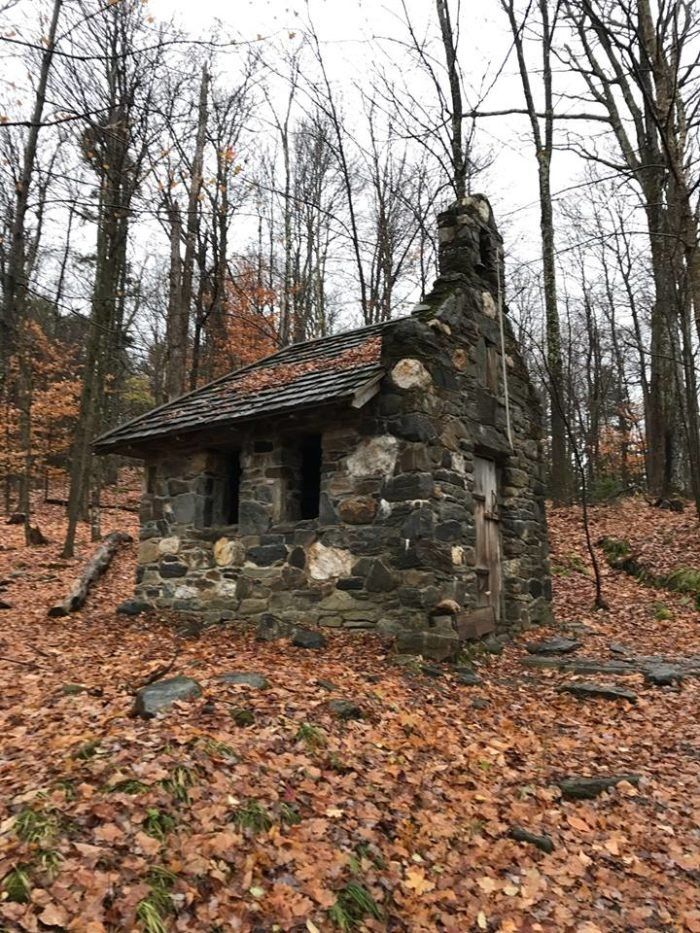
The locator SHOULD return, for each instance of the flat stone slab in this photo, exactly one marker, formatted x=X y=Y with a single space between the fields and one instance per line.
x=257 y=681
x=586 y=788
x=160 y=696
x=598 y=691
x=305 y=638
x=553 y=646
x=658 y=671
x=663 y=675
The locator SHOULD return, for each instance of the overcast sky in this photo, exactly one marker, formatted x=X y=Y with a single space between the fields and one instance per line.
x=347 y=29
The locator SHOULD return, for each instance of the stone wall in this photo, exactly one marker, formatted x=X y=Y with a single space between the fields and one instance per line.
x=394 y=542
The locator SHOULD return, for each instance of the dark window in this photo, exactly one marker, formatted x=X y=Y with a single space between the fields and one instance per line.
x=151 y=477
x=232 y=494
x=208 y=513
x=310 y=491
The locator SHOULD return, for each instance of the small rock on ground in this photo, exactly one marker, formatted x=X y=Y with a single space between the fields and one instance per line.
x=543 y=842
x=467 y=678
x=553 y=646
x=663 y=675
x=247 y=679
x=4 y=605
x=345 y=709
x=132 y=607
x=305 y=638
x=586 y=788
x=270 y=628
x=157 y=697
x=602 y=691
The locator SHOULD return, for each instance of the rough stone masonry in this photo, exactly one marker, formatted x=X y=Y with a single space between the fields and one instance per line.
x=408 y=418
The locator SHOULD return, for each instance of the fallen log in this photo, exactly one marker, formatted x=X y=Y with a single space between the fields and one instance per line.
x=105 y=506
x=94 y=569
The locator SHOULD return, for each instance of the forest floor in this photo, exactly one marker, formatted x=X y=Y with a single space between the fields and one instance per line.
x=265 y=809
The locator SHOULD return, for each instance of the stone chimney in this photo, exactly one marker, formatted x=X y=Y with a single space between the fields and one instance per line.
x=470 y=244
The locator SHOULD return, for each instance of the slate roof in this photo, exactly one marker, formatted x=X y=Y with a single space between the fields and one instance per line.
x=303 y=375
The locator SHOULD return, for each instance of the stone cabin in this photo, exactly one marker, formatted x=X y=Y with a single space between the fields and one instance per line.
x=388 y=478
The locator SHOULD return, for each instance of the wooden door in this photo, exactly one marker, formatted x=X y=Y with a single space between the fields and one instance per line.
x=488 y=538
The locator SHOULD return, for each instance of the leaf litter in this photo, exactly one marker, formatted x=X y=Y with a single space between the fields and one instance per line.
x=293 y=819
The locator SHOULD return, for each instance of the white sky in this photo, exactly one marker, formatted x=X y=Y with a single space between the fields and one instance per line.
x=346 y=28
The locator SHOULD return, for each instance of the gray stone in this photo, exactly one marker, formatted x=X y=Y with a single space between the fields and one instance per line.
x=492 y=645
x=480 y=703
x=345 y=710
x=553 y=646
x=380 y=579
x=414 y=427
x=157 y=697
x=543 y=842
x=184 y=508
x=419 y=524
x=587 y=788
x=409 y=486
x=601 y=691
x=268 y=554
x=305 y=638
x=257 y=681
x=663 y=675
x=133 y=607
x=467 y=678
x=440 y=646
x=172 y=569
x=270 y=628
x=253 y=518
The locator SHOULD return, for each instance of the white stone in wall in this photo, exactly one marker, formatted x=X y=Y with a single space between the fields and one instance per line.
x=489 y=304
x=458 y=463
x=374 y=455
x=384 y=510
x=224 y=552
x=186 y=592
x=324 y=563
x=148 y=552
x=169 y=545
x=411 y=374
x=457 y=555
x=481 y=206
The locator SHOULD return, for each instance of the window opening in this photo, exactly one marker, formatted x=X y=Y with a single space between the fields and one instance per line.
x=151 y=476
x=310 y=491
x=208 y=513
x=232 y=499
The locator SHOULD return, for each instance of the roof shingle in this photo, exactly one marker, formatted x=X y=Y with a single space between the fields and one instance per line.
x=299 y=376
